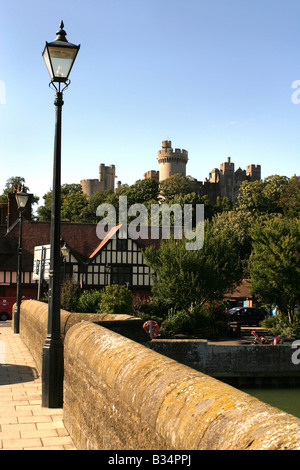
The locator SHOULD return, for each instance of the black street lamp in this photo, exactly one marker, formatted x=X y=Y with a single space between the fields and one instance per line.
x=65 y=251
x=59 y=57
x=21 y=198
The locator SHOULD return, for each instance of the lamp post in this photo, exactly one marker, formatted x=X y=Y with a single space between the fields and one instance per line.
x=59 y=57
x=21 y=198
x=65 y=251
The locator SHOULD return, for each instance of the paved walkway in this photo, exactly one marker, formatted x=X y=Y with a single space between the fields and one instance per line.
x=24 y=423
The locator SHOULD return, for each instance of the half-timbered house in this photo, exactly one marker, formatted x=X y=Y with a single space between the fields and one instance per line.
x=91 y=262
x=115 y=260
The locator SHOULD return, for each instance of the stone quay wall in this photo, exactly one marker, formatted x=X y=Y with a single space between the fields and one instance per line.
x=237 y=363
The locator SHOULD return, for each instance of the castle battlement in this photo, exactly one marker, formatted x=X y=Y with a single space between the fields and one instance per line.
x=227 y=166
x=169 y=152
x=90 y=181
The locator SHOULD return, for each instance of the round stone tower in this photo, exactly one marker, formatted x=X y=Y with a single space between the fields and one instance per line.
x=171 y=161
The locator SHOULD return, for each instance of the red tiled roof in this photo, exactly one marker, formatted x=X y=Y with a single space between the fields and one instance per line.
x=81 y=238
x=105 y=240
x=241 y=291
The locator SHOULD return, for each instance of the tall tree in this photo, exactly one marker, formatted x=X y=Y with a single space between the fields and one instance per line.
x=176 y=184
x=289 y=200
x=73 y=201
x=238 y=224
x=262 y=197
x=275 y=263
x=15 y=182
x=188 y=279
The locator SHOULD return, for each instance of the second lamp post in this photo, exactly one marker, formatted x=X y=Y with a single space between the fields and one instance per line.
x=21 y=198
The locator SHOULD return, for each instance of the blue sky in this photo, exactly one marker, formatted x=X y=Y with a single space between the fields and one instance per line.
x=213 y=76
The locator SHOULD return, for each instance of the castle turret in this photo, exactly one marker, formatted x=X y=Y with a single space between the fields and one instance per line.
x=106 y=180
x=107 y=176
x=254 y=172
x=171 y=161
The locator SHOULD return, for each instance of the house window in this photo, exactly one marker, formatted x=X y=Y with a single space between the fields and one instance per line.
x=121 y=275
x=66 y=270
x=122 y=244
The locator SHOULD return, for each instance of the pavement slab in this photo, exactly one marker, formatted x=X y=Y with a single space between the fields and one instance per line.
x=24 y=423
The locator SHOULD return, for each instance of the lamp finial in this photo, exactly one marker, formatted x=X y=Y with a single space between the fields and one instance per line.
x=61 y=34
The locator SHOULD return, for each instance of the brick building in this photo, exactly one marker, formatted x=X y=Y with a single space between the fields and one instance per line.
x=93 y=263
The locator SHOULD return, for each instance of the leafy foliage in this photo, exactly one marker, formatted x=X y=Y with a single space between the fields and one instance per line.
x=275 y=263
x=185 y=279
x=116 y=299
x=70 y=293
x=12 y=183
x=176 y=184
x=73 y=202
x=206 y=322
x=89 y=301
x=279 y=325
x=289 y=200
x=262 y=197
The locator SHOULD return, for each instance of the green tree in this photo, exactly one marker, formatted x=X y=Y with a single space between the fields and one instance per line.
x=238 y=224
x=289 y=200
x=141 y=191
x=15 y=182
x=116 y=299
x=73 y=202
x=72 y=207
x=89 y=301
x=262 y=197
x=11 y=183
x=193 y=199
x=186 y=279
x=70 y=293
x=275 y=263
x=223 y=204
x=88 y=213
x=176 y=184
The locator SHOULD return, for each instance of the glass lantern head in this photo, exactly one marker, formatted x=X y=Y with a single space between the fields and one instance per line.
x=59 y=56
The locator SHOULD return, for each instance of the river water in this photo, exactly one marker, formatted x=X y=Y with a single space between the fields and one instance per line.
x=285 y=398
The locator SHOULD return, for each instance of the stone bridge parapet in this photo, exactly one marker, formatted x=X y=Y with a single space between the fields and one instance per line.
x=120 y=394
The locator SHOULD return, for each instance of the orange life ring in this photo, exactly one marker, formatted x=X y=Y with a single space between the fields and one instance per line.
x=155 y=327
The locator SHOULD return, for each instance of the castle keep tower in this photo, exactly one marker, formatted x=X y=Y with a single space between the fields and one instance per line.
x=171 y=161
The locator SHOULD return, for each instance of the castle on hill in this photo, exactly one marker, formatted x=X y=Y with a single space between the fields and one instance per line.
x=221 y=182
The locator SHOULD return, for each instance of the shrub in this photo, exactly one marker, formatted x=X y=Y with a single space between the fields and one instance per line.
x=205 y=322
x=89 y=301
x=148 y=309
x=116 y=299
x=279 y=325
x=69 y=295
x=179 y=322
